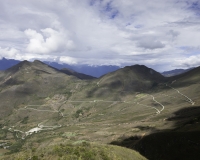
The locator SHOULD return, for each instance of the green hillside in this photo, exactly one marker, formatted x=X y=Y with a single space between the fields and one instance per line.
x=82 y=151
x=42 y=107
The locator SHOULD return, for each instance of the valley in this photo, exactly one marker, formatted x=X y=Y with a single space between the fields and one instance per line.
x=43 y=107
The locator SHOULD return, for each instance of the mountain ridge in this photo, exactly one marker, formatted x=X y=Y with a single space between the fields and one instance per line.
x=76 y=74
x=94 y=71
x=175 y=72
x=7 y=63
x=136 y=77
x=43 y=107
x=41 y=64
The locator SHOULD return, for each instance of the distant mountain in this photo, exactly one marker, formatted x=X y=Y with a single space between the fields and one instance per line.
x=95 y=71
x=187 y=78
x=175 y=72
x=7 y=63
x=76 y=74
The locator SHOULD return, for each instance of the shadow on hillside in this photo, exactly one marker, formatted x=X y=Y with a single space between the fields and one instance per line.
x=183 y=142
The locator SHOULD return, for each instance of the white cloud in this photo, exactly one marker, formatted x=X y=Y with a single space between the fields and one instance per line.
x=101 y=31
x=48 y=41
x=188 y=62
x=8 y=52
x=68 y=60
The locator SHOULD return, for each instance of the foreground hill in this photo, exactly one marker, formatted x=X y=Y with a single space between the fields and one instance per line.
x=81 y=151
x=42 y=107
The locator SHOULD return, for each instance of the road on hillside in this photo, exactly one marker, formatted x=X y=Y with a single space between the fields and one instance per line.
x=188 y=99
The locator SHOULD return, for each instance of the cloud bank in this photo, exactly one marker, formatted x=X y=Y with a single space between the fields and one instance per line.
x=160 y=34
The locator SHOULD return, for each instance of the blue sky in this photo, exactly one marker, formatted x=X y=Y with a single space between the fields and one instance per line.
x=162 y=34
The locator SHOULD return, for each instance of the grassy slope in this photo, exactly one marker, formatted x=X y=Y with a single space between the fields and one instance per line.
x=181 y=142
x=102 y=110
x=82 y=151
x=30 y=83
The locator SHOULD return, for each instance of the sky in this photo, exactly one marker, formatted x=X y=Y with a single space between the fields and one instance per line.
x=161 y=34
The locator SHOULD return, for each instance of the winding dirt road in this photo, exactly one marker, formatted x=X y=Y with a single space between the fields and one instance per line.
x=187 y=98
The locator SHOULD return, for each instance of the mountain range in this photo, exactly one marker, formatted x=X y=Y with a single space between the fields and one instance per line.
x=51 y=113
x=175 y=72
x=94 y=71
x=7 y=63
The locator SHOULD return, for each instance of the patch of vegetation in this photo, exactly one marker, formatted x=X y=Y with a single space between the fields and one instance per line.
x=78 y=113
x=16 y=147
x=83 y=151
x=25 y=120
x=68 y=134
x=3 y=133
x=79 y=142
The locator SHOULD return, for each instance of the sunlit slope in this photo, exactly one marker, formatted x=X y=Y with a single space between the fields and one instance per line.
x=30 y=83
x=79 y=151
x=133 y=101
